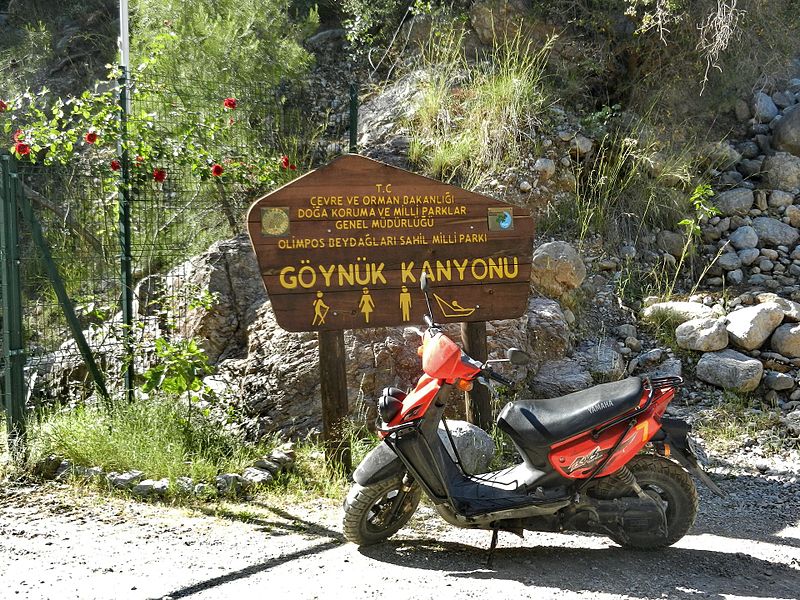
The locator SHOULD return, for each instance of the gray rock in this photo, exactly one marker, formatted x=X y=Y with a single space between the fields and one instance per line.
x=229 y=484
x=702 y=335
x=64 y=471
x=750 y=167
x=264 y=464
x=778 y=381
x=125 y=480
x=779 y=198
x=750 y=327
x=671 y=367
x=161 y=487
x=143 y=488
x=749 y=255
x=793 y=215
x=525 y=186
x=786 y=340
x=729 y=261
x=547 y=330
x=742 y=110
x=677 y=311
x=786 y=135
x=651 y=358
x=721 y=155
x=580 y=146
x=557 y=268
x=282 y=457
x=559 y=377
x=735 y=277
x=730 y=370
x=783 y=100
x=764 y=109
x=626 y=330
x=475 y=447
x=185 y=484
x=737 y=201
x=255 y=476
x=671 y=242
x=775 y=233
x=791 y=309
x=545 y=168
x=782 y=171
x=748 y=149
x=605 y=362
x=633 y=344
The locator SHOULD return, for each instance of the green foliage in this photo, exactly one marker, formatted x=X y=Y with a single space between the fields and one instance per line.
x=475 y=118
x=180 y=368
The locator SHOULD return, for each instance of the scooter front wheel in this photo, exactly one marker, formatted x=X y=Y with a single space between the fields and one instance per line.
x=374 y=513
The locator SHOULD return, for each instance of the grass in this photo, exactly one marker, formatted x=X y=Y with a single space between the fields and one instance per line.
x=154 y=436
x=736 y=418
x=475 y=117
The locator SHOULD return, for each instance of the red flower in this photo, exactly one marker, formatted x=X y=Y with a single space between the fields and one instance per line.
x=19 y=135
x=285 y=161
x=115 y=165
x=3 y=106
x=229 y=103
x=159 y=175
x=90 y=137
x=22 y=148
x=217 y=170
x=292 y=167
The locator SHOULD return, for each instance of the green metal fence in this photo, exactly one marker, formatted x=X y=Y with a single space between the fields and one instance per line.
x=116 y=216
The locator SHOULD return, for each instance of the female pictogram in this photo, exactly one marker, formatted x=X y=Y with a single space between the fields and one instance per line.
x=366 y=305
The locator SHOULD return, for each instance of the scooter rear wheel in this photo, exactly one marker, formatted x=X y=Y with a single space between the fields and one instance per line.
x=374 y=513
x=669 y=484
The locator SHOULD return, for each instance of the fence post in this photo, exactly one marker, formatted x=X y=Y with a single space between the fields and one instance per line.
x=353 y=117
x=125 y=256
x=13 y=342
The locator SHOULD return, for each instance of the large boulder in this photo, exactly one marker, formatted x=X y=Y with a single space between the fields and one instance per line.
x=791 y=309
x=786 y=340
x=547 y=330
x=773 y=232
x=750 y=327
x=744 y=237
x=730 y=370
x=737 y=201
x=605 y=362
x=786 y=135
x=702 y=335
x=560 y=377
x=557 y=268
x=782 y=171
x=764 y=108
x=475 y=447
x=676 y=311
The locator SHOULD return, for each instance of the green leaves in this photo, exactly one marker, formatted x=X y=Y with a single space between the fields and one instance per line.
x=181 y=368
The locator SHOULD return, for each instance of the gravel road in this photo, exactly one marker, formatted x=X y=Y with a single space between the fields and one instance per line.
x=57 y=543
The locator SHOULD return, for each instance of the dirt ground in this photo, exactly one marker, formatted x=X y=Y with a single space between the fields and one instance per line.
x=57 y=543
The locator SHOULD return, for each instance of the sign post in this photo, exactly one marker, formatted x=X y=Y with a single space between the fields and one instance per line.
x=343 y=247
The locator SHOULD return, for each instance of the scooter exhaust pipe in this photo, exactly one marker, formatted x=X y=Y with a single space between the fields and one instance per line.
x=621 y=515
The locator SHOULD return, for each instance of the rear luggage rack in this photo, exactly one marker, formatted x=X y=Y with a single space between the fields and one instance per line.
x=672 y=382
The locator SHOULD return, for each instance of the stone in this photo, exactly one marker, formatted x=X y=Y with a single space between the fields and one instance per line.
x=545 y=168
x=749 y=255
x=782 y=171
x=730 y=370
x=525 y=186
x=125 y=480
x=737 y=201
x=671 y=242
x=786 y=135
x=559 y=377
x=47 y=467
x=281 y=457
x=791 y=309
x=605 y=362
x=547 y=330
x=735 y=277
x=792 y=214
x=764 y=109
x=677 y=311
x=750 y=167
x=742 y=110
x=229 y=484
x=626 y=330
x=185 y=484
x=775 y=233
x=744 y=237
x=779 y=198
x=475 y=447
x=775 y=380
x=750 y=327
x=556 y=268
x=651 y=358
x=580 y=146
x=783 y=100
x=702 y=335
x=729 y=261
x=161 y=487
x=256 y=476
x=748 y=149
x=721 y=155
x=265 y=464
x=633 y=344
x=671 y=367
x=786 y=340
x=143 y=488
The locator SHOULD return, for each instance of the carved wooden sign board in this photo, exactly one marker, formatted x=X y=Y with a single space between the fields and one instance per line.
x=343 y=247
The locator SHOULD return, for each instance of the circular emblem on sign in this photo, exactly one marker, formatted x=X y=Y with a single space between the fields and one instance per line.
x=275 y=221
x=505 y=220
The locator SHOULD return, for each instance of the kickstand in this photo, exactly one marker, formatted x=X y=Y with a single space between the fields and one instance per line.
x=492 y=548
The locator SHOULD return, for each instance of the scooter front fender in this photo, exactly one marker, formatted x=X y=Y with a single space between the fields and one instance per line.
x=379 y=465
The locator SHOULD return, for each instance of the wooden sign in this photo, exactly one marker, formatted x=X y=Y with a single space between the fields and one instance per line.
x=343 y=247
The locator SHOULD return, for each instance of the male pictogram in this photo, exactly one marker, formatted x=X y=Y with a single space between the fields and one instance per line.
x=405 y=303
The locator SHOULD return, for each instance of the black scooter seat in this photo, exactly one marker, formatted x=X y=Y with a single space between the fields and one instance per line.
x=538 y=423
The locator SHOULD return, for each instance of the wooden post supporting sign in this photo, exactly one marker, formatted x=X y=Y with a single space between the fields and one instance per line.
x=343 y=247
x=479 y=409
x=333 y=389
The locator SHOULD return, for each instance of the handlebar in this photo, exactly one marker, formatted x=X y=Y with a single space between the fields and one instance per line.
x=498 y=378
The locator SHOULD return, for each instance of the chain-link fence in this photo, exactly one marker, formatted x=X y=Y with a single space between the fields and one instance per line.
x=190 y=159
